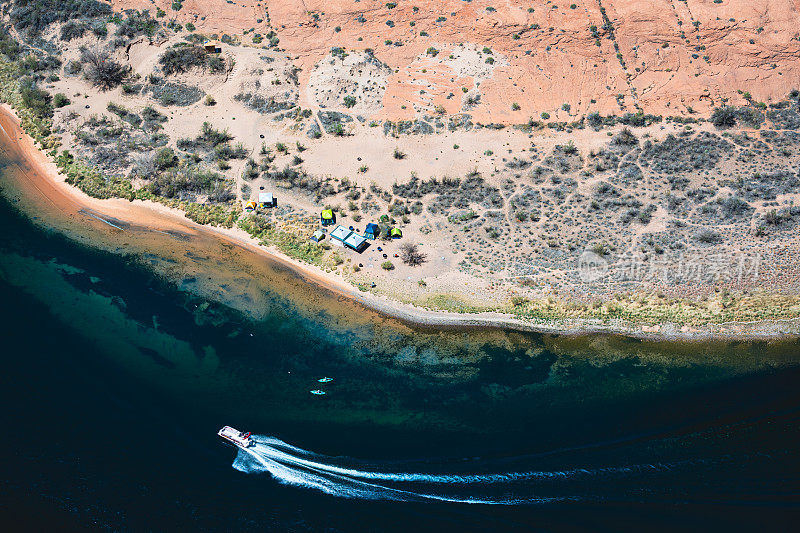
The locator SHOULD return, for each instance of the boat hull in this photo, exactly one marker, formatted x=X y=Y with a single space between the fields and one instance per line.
x=235 y=437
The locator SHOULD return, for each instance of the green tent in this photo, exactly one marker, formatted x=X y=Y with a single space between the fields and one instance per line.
x=327 y=217
x=395 y=233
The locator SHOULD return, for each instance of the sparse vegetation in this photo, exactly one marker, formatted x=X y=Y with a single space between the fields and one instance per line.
x=660 y=195
x=411 y=255
x=101 y=70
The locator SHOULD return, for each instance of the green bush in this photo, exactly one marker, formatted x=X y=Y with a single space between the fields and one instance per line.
x=137 y=23
x=72 y=30
x=60 y=100
x=724 y=117
x=92 y=181
x=165 y=158
x=180 y=60
x=34 y=16
x=36 y=99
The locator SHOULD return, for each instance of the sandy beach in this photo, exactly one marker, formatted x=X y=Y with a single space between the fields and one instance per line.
x=43 y=184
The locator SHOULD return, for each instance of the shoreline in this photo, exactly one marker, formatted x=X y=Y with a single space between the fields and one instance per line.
x=45 y=178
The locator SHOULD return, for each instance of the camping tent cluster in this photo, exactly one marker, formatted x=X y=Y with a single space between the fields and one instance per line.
x=348 y=237
x=265 y=199
x=341 y=236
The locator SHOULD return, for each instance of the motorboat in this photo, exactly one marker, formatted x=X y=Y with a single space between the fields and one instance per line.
x=236 y=437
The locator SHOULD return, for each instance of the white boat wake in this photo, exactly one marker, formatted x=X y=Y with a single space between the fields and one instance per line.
x=349 y=478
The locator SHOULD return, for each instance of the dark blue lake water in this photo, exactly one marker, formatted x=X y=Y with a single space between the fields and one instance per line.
x=116 y=377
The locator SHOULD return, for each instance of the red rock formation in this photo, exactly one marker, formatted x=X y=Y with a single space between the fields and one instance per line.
x=669 y=57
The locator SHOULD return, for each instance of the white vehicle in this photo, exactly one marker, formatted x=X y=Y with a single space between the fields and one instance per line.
x=236 y=437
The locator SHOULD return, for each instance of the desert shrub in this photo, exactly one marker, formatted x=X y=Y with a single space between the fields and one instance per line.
x=785 y=118
x=99 y=28
x=767 y=186
x=36 y=99
x=92 y=181
x=182 y=59
x=473 y=189
x=33 y=16
x=681 y=154
x=569 y=148
x=165 y=158
x=299 y=179
x=518 y=164
x=644 y=216
x=628 y=173
x=186 y=182
x=734 y=207
x=73 y=68
x=215 y=64
x=397 y=154
x=60 y=100
x=261 y=104
x=417 y=189
x=177 y=94
x=410 y=254
x=387 y=265
x=101 y=70
x=137 y=23
x=708 y=236
x=750 y=116
x=625 y=138
x=723 y=117
x=144 y=166
x=638 y=119
x=212 y=137
x=594 y=119
x=221 y=193
x=123 y=113
x=73 y=30
x=152 y=118
x=225 y=152
x=30 y=64
x=250 y=170
x=8 y=46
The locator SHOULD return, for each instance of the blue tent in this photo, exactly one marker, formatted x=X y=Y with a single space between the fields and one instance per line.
x=372 y=231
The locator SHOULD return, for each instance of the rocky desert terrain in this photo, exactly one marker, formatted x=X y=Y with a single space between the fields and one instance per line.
x=666 y=57
x=590 y=159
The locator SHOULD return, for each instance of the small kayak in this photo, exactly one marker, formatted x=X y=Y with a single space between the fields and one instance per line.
x=318 y=392
x=325 y=380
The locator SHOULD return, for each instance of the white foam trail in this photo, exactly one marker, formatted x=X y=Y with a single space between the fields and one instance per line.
x=295 y=466
x=353 y=488
x=272 y=450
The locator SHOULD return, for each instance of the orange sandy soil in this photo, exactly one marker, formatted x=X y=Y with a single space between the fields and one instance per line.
x=546 y=57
